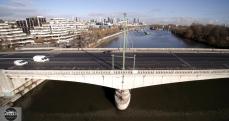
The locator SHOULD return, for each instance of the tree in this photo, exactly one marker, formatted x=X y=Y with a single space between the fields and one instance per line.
x=188 y=33
x=214 y=35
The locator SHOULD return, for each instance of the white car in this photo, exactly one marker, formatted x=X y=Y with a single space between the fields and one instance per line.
x=40 y=58
x=20 y=62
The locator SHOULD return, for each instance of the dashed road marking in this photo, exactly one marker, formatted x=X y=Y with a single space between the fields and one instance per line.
x=74 y=68
x=226 y=65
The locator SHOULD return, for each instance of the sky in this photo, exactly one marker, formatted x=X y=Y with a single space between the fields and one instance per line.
x=149 y=11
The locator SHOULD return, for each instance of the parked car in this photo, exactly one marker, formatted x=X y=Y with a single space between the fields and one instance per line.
x=40 y=58
x=20 y=62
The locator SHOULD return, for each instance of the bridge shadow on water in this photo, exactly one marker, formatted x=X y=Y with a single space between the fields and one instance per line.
x=109 y=94
x=67 y=101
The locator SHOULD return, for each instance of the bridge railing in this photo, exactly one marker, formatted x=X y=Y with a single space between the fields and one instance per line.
x=162 y=50
x=113 y=72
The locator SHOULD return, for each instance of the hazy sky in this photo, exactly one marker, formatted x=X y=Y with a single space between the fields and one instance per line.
x=163 y=11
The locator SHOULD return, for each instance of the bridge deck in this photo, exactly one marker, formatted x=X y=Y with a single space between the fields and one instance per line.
x=100 y=61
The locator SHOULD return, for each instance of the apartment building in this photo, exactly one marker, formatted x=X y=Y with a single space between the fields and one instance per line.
x=60 y=30
x=12 y=36
x=30 y=23
x=35 y=21
x=56 y=30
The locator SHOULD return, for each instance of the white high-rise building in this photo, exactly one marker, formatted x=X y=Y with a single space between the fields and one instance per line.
x=59 y=29
x=43 y=32
x=65 y=30
x=62 y=24
x=11 y=35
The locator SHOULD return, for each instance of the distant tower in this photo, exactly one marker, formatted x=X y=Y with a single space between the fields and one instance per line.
x=114 y=21
x=138 y=21
x=134 y=20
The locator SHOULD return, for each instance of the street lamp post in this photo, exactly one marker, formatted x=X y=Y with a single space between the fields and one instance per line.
x=122 y=96
x=112 y=61
x=124 y=42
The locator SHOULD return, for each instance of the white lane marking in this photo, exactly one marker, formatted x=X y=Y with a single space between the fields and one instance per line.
x=13 y=58
x=11 y=67
x=51 y=55
x=182 y=60
x=226 y=65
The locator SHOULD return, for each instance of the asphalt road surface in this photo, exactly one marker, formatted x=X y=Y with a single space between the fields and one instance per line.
x=103 y=61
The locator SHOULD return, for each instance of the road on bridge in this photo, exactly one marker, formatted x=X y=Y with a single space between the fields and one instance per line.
x=103 y=61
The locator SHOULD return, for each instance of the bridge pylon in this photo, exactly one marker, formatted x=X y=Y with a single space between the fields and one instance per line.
x=122 y=99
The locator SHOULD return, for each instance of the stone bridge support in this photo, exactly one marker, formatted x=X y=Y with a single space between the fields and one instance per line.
x=12 y=89
x=122 y=99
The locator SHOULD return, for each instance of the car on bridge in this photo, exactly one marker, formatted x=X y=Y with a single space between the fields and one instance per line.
x=40 y=58
x=20 y=62
x=107 y=52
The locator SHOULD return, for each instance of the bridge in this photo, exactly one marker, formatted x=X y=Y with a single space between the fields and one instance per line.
x=103 y=67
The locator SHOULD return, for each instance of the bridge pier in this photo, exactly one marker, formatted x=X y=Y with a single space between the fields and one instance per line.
x=10 y=87
x=122 y=99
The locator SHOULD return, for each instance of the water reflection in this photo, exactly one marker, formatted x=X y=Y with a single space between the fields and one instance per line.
x=68 y=101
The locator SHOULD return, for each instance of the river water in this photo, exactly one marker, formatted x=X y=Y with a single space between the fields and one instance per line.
x=191 y=101
x=154 y=39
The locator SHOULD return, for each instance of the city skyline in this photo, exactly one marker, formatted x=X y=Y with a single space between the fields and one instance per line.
x=165 y=11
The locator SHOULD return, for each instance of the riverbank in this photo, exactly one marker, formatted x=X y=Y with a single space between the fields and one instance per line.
x=104 y=39
x=211 y=35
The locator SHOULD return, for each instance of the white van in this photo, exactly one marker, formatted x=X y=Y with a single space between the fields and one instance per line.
x=40 y=58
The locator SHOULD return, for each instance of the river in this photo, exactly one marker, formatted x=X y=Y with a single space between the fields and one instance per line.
x=154 y=39
x=191 y=101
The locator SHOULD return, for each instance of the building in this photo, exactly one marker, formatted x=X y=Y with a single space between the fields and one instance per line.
x=23 y=24
x=35 y=21
x=30 y=23
x=42 y=33
x=60 y=30
x=64 y=30
x=12 y=36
